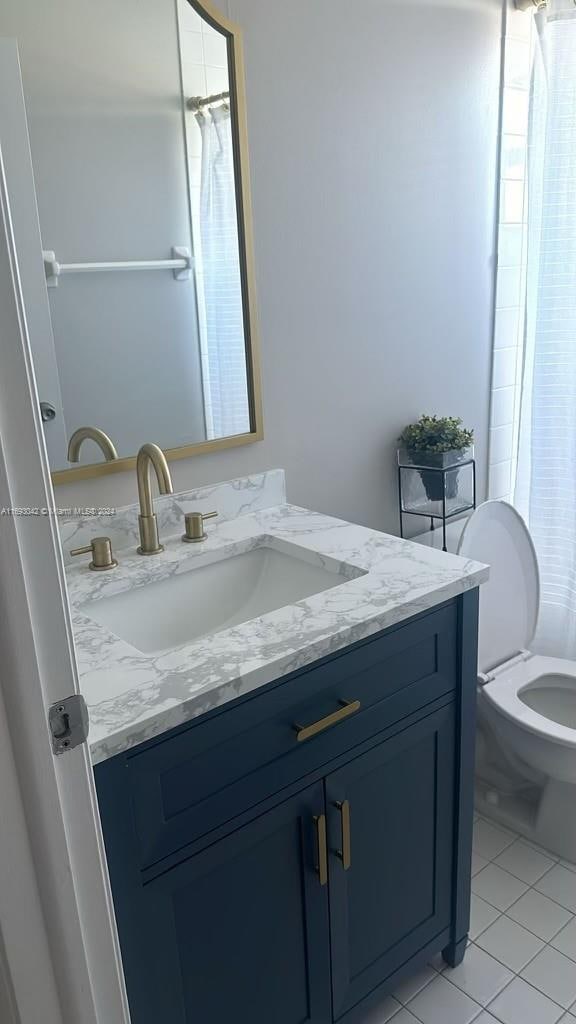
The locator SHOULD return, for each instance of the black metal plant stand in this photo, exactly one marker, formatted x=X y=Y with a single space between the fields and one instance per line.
x=412 y=496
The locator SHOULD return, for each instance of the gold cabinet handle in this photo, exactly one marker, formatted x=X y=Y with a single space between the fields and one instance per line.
x=306 y=732
x=345 y=853
x=322 y=849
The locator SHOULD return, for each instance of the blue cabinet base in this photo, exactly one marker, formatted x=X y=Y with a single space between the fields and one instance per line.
x=259 y=879
x=453 y=954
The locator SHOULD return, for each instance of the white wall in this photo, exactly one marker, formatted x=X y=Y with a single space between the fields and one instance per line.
x=373 y=136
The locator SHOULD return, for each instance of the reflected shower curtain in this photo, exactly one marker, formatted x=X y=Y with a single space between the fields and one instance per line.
x=218 y=276
x=545 y=491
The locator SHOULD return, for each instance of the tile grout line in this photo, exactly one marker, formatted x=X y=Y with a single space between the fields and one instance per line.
x=496 y=994
x=518 y=977
x=504 y=913
x=531 y=887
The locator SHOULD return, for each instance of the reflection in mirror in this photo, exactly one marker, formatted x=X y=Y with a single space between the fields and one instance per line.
x=214 y=223
x=136 y=123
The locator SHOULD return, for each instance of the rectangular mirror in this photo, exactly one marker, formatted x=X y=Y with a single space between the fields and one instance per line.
x=137 y=125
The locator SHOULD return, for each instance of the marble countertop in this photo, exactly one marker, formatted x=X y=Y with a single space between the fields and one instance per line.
x=133 y=696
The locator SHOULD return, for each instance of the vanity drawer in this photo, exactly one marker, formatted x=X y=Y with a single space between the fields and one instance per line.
x=203 y=775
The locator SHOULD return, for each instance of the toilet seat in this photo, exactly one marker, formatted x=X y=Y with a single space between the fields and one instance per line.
x=509 y=605
x=504 y=691
x=510 y=600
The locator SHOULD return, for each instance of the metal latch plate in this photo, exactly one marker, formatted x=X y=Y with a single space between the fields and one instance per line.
x=68 y=723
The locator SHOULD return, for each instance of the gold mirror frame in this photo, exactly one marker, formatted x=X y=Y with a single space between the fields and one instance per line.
x=233 y=34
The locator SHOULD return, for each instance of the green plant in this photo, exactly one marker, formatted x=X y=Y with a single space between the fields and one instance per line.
x=436 y=434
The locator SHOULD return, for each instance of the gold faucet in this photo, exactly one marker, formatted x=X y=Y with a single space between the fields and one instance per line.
x=150 y=455
x=91 y=434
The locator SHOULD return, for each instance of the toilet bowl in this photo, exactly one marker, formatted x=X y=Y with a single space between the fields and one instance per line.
x=528 y=701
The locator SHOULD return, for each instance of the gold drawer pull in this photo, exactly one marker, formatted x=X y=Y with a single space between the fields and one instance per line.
x=345 y=853
x=322 y=845
x=306 y=732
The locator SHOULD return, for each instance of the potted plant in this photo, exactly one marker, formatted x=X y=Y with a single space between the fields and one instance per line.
x=439 y=443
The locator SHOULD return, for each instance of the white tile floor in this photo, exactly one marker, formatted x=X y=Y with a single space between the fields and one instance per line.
x=520 y=967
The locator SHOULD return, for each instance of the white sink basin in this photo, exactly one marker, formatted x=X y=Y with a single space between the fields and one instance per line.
x=199 y=601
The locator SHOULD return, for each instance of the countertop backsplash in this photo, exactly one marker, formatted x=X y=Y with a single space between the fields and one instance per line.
x=230 y=499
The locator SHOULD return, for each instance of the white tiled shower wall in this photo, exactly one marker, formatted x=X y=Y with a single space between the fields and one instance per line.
x=512 y=238
x=204 y=72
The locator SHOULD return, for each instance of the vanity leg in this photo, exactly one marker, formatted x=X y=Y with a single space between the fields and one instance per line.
x=454 y=953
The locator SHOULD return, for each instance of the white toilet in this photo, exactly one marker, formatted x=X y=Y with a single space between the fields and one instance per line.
x=526 y=703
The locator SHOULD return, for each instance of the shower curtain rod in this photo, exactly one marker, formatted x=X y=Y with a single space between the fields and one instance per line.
x=197 y=102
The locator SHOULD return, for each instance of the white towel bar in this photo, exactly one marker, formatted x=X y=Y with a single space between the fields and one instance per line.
x=180 y=265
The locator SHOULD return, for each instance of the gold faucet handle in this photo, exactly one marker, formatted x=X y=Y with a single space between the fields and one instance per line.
x=101 y=550
x=194 y=523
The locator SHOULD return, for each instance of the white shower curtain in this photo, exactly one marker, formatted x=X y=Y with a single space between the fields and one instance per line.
x=545 y=490
x=222 y=326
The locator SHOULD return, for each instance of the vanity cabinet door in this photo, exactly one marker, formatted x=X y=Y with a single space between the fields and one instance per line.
x=391 y=833
x=239 y=931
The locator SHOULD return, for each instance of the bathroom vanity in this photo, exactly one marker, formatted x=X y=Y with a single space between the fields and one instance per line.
x=286 y=802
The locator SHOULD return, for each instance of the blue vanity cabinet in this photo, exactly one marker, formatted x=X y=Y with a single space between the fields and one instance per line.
x=390 y=815
x=238 y=931
x=302 y=879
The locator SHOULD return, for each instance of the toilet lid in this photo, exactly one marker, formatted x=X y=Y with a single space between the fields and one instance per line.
x=509 y=601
